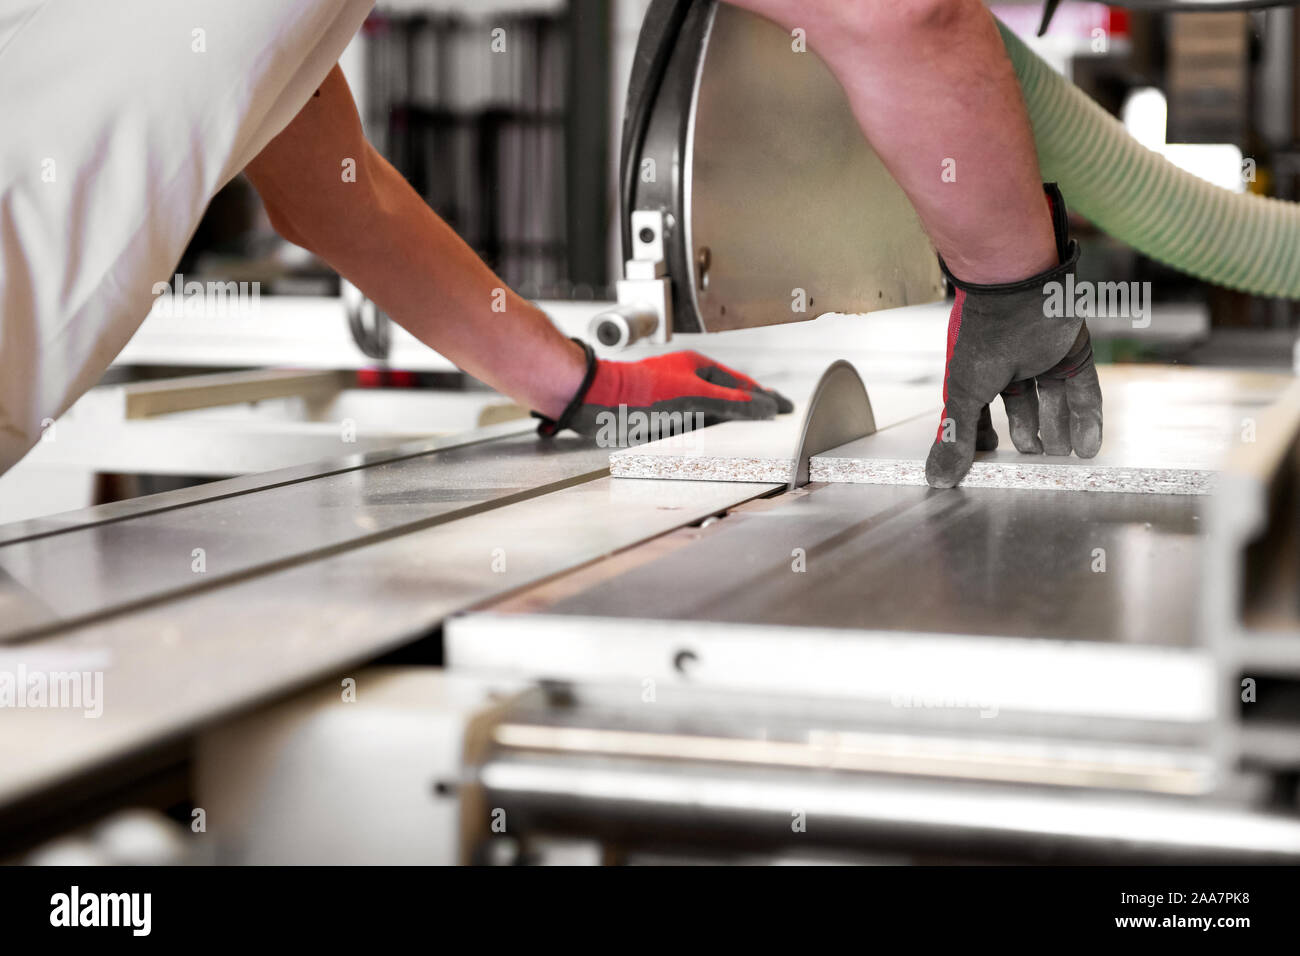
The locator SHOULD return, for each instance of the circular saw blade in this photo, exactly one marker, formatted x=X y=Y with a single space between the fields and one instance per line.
x=838 y=412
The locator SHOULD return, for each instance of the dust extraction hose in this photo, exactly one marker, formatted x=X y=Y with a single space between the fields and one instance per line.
x=1238 y=240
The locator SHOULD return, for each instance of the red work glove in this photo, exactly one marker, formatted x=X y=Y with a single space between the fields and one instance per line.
x=660 y=396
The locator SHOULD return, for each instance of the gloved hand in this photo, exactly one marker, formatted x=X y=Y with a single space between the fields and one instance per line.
x=671 y=386
x=1002 y=341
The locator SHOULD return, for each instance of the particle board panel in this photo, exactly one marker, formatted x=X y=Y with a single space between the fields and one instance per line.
x=737 y=451
x=1167 y=431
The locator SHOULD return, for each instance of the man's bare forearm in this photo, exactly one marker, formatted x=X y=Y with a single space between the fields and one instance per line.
x=328 y=190
x=934 y=91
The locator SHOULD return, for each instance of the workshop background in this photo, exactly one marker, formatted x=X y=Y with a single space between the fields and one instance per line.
x=427 y=655
x=520 y=154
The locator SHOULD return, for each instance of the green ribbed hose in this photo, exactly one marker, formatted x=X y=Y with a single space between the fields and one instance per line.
x=1238 y=240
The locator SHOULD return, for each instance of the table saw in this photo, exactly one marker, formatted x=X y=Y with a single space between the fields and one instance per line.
x=486 y=648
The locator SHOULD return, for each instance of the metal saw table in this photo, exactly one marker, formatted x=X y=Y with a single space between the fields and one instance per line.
x=948 y=642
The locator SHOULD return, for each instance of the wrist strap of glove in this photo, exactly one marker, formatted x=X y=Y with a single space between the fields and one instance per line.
x=548 y=427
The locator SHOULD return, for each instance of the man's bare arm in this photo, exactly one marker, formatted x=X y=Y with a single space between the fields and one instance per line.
x=380 y=235
x=933 y=90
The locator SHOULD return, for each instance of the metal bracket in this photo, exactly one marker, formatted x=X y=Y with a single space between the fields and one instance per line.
x=838 y=412
x=645 y=294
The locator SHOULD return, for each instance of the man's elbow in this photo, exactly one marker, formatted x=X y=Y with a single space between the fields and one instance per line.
x=284 y=227
x=318 y=209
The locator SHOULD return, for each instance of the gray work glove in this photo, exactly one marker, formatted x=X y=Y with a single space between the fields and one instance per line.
x=1002 y=341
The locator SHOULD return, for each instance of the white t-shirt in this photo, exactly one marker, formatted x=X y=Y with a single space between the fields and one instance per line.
x=120 y=120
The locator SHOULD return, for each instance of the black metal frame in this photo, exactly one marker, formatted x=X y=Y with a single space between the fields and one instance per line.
x=655 y=126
